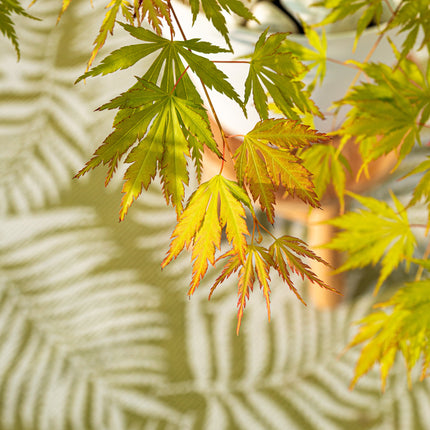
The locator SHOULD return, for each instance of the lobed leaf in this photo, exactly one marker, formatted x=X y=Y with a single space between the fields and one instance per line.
x=278 y=72
x=214 y=206
x=162 y=124
x=284 y=255
x=266 y=161
x=387 y=114
x=312 y=58
x=413 y=18
x=376 y=234
x=403 y=320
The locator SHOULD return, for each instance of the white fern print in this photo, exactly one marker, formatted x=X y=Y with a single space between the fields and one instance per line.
x=48 y=127
x=82 y=345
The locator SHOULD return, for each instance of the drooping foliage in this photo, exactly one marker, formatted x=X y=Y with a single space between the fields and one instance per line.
x=162 y=127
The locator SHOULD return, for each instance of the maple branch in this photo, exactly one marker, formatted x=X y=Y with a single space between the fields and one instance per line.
x=342 y=63
x=176 y=19
x=389 y=7
x=179 y=79
x=224 y=142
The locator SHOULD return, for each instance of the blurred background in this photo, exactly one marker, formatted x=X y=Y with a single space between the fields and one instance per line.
x=94 y=335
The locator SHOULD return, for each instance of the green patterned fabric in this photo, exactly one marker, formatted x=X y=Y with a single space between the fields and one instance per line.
x=93 y=335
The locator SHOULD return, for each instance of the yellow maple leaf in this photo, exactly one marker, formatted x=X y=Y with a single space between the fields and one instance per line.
x=216 y=204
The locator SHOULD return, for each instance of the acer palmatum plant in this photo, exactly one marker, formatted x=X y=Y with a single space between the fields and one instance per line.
x=162 y=126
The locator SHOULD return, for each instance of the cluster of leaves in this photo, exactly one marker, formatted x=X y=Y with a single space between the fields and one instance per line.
x=161 y=127
x=402 y=324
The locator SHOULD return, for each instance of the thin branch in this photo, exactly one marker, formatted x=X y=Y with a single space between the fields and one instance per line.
x=224 y=142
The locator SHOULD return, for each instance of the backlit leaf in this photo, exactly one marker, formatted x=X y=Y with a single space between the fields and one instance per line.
x=279 y=73
x=389 y=113
x=213 y=206
x=162 y=124
x=403 y=320
x=267 y=160
x=377 y=234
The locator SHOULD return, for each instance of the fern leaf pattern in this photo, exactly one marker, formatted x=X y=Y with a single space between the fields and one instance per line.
x=94 y=335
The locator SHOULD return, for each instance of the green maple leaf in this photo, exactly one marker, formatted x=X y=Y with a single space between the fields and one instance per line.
x=389 y=113
x=168 y=68
x=379 y=233
x=403 y=325
x=266 y=160
x=216 y=204
x=316 y=57
x=278 y=72
x=213 y=12
x=328 y=166
x=340 y=9
x=161 y=123
x=7 y=27
x=413 y=17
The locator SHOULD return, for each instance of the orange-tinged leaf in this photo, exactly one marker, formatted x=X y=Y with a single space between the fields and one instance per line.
x=288 y=250
x=263 y=261
x=246 y=283
x=216 y=204
x=207 y=239
x=189 y=222
x=267 y=160
x=286 y=133
x=155 y=11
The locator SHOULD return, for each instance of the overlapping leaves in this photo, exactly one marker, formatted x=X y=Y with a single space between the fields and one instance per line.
x=389 y=113
x=413 y=18
x=267 y=160
x=284 y=256
x=402 y=324
x=161 y=123
x=377 y=234
x=168 y=69
x=279 y=73
x=220 y=204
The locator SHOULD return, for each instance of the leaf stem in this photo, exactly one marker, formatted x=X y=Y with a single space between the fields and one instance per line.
x=179 y=79
x=342 y=63
x=231 y=61
x=224 y=142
